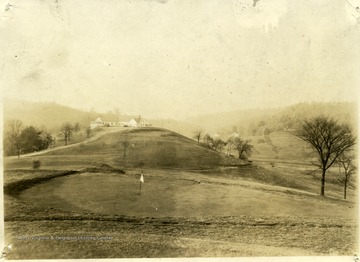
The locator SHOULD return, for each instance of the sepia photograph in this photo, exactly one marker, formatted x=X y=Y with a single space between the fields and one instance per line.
x=219 y=129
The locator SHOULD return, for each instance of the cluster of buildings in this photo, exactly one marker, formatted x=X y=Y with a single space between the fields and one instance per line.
x=133 y=122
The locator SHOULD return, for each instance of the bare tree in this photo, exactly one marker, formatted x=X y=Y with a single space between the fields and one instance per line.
x=13 y=134
x=66 y=130
x=208 y=141
x=219 y=144
x=198 y=134
x=329 y=139
x=77 y=127
x=88 y=132
x=70 y=129
x=243 y=147
x=125 y=144
x=229 y=145
x=346 y=161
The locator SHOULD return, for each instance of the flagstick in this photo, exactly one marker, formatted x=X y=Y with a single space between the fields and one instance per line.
x=140 y=188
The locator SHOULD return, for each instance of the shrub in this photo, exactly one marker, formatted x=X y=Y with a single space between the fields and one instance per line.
x=36 y=164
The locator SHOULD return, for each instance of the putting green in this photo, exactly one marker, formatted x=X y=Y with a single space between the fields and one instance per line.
x=166 y=195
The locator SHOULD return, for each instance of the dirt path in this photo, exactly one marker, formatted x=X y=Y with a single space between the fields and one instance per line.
x=86 y=141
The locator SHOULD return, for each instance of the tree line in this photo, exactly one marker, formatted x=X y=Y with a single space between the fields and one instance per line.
x=20 y=139
x=68 y=130
x=242 y=146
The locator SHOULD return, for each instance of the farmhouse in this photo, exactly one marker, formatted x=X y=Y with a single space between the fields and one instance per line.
x=96 y=123
x=133 y=122
x=136 y=122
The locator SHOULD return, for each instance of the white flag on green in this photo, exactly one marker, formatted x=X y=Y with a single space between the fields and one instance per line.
x=142 y=178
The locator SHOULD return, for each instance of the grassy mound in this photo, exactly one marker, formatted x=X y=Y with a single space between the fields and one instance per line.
x=136 y=148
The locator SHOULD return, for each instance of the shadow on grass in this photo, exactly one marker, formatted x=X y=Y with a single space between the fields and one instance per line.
x=14 y=189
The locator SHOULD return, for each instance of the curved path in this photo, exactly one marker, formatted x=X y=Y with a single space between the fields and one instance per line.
x=86 y=141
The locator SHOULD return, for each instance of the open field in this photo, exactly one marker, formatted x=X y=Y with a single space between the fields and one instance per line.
x=85 y=209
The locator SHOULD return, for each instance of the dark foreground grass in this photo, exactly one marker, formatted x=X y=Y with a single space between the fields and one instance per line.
x=49 y=233
x=38 y=232
x=181 y=237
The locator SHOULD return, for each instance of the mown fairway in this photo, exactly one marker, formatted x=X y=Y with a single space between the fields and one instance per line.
x=168 y=194
x=188 y=206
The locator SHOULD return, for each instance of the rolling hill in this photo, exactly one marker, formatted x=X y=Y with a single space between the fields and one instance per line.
x=280 y=146
x=255 y=121
x=148 y=147
x=50 y=116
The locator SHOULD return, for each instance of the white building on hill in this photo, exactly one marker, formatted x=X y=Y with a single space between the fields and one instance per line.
x=132 y=123
x=138 y=122
x=96 y=123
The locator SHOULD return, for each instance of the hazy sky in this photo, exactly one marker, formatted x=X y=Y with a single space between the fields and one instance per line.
x=175 y=58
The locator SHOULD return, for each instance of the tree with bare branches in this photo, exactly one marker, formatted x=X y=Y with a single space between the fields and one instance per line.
x=125 y=143
x=13 y=129
x=66 y=130
x=218 y=144
x=329 y=140
x=346 y=162
x=208 y=141
x=88 y=132
x=243 y=147
x=197 y=135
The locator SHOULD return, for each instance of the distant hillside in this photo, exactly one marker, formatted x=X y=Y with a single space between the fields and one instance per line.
x=256 y=121
x=50 y=116
x=280 y=146
x=147 y=147
x=251 y=122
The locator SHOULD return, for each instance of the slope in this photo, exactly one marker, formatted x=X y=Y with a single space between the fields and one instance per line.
x=256 y=121
x=149 y=147
x=48 y=115
x=280 y=146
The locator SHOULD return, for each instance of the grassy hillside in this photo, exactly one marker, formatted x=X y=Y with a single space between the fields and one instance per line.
x=255 y=121
x=48 y=115
x=150 y=147
x=280 y=146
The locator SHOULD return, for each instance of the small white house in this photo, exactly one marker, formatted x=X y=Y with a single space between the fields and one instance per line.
x=132 y=123
x=96 y=123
